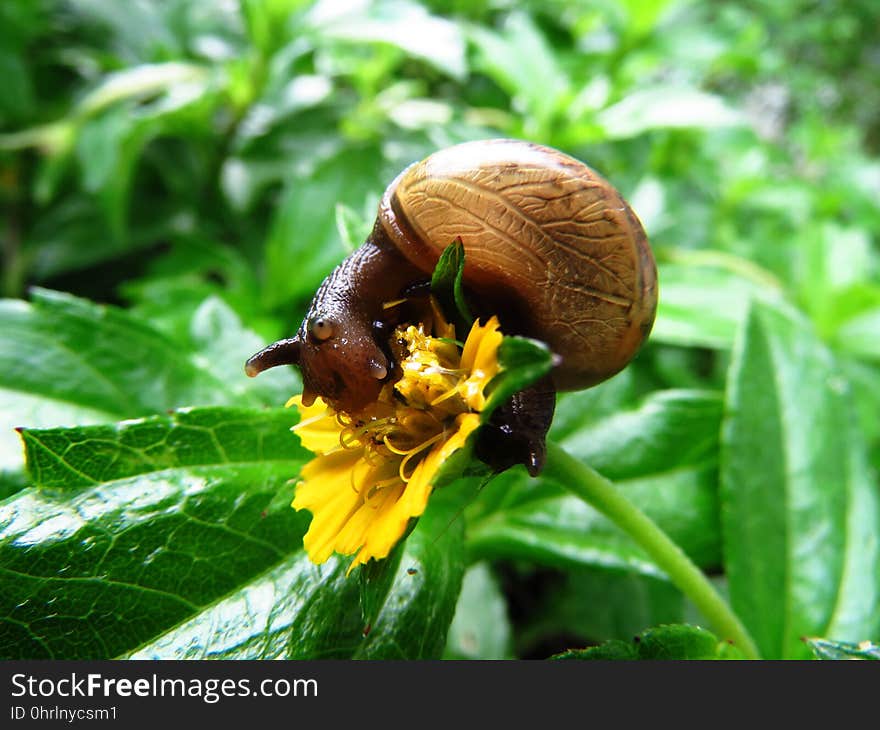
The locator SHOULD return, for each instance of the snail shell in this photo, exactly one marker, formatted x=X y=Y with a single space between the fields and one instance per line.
x=546 y=238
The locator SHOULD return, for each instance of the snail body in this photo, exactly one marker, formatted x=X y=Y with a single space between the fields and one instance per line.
x=550 y=246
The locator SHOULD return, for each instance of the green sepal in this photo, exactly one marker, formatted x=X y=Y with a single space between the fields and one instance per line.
x=447 y=284
x=523 y=362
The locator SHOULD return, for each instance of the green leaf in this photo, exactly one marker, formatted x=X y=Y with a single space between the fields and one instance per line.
x=864 y=378
x=671 y=429
x=481 y=628
x=66 y=458
x=827 y=649
x=799 y=506
x=139 y=81
x=666 y=108
x=611 y=651
x=222 y=344
x=266 y=21
x=676 y=642
x=447 y=284
x=353 y=227
x=406 y=25
x=540 y=522
x=836 y=268
x=702 y=307
x=66 y=361
x=861 y=334
x=523 y=362
x=12 y=481
x=18 y=409
x=74 y=234
x=583 y=408
x=521 y=60
x=108 y=147
x=196 y=293
x=376 y=578
x=17 y=94
x=299 y=610
x=97 y=357
x=95 y=571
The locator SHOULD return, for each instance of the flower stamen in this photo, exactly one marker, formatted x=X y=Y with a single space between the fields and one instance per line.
x=413 y=452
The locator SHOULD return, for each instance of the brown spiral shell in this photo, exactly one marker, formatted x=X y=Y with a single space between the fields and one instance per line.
x=546 y=238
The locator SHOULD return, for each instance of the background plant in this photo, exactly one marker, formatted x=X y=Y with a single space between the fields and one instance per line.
x=177 y=177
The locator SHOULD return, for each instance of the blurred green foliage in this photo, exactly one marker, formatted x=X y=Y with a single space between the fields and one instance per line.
x=203 y=165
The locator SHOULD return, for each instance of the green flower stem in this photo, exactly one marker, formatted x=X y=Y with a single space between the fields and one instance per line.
x=601 y=494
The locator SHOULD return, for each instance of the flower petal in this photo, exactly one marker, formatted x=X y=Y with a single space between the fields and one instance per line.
x=393 y=518
x=318 y=429
x=481 y=347
x=329 y=492
x=426 y=471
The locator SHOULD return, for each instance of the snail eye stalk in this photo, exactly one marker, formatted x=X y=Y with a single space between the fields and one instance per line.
x=283 y=352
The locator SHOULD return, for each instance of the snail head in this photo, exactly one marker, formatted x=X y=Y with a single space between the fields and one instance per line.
x=340 y=362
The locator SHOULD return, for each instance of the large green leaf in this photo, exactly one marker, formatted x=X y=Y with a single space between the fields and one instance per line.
x=520 y=60
x=98 y=357
x=541 y=522
x=66 y=458
x=65 y=361
x=703 y=307
x=302 y=611
x=669 y=107
x=179 y=511
x=481 y=626
x=799 y=507
x=222 y=343
x=18 y=409
x=173 y=536
x=587 y=605
x=401 y=23
x=670 y=430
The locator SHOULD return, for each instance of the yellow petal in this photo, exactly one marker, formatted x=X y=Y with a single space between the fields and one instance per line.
x=481 y=347
x=329 y=491
x=354 y=534
x=486 y=360
x=387 y=526
x=318 y=429
x=426 y=471
x=393 y=518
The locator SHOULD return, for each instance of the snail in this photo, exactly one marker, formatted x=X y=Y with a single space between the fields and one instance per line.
x=550 y=246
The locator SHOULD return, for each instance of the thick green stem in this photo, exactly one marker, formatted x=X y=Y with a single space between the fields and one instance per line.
x=597 y=491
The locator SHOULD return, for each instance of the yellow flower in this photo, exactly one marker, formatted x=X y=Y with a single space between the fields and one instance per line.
x=373 y=472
